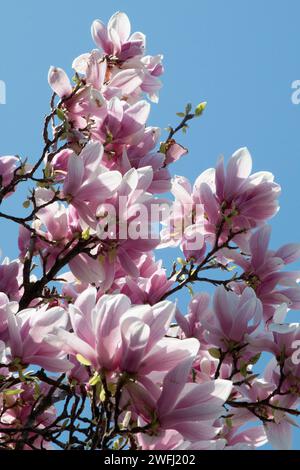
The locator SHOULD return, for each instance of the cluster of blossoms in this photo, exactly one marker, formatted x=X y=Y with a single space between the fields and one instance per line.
x=93 y=355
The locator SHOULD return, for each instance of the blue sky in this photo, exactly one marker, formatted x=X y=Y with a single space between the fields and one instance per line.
x=239 y=56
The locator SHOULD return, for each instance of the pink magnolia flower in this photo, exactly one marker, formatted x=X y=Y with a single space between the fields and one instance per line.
x=191 y=324
x=25 y=337
x=282 y=340
x=263 y=272
x=185 y=226
x=173 y=440
x=284 y=343
x=112 y=334
x=174 y=151
x=6 y=308
x=124 y=230
x=123 y=124
x=188 y=408
x=87 y=182
x=117 y=43
x=55 y=226
x=59 y=82
x=233 y=317
x=166 y=440
x=60 y=163
x=8 y=165
x=241 y=199
x=78 y=104
x=151 y=284
x=161 y=181
x=248 y=439
x=115 y=39
x=153 y=68
x=97 y=70
x=279 y=432
x=106 y=80
x=123 y=157
x=205 y=367
x=82 y=109
x=9 y=278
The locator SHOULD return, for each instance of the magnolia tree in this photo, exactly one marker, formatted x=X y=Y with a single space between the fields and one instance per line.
x=93 y=354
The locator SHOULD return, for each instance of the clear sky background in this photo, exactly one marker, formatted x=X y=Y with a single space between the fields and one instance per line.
x=241 y=56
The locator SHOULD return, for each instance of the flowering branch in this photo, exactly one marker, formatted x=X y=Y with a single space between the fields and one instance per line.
x=92 y=354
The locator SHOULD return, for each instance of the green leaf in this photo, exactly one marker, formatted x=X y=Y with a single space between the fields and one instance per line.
x=243 y=369
x=102 y=395
x=200 y=108
x=118 y=443
x=95 y=379
x=37 y=390
x=26 y=204
x=188 y=108
x=228 y=422
x=184 y=129
x=191 y=292
x=215 y=352
x=255 y=359
x=163 y=148
x=180 y=114
x=83 y=360
x=15 y=391
x=76 y=79
x=60 y=114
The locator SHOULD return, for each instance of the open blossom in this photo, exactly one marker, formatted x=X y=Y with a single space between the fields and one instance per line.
x=188 y=408
x=138 y=153
x=24 y=337
x=119 y=71
x=263 y=271
x=84 y=185
x=56 y=225
x=191 y=324
x=161 y=181
x=241 y=199
x=185 y=226
x=151 y=284
x=231 y=201
x=115 y=41
x=236 y=436
x=115 y=38
x=114 y=335
x=123 y=123
x=278 y=430
x=125 y=232
x=233 y=317
x=282 y=340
